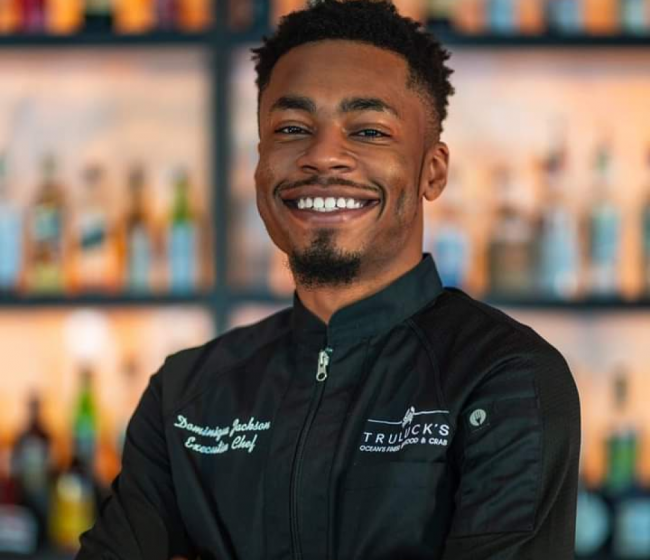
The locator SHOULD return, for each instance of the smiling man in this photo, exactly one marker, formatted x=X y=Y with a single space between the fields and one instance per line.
x=382 y=416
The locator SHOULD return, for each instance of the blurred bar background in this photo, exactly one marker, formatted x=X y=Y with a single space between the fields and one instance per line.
x=128 y=226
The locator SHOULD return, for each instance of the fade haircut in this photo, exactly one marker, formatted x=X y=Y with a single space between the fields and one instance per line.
x=374 y=22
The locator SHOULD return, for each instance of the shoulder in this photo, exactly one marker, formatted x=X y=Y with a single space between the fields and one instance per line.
x=191 y=370
x=476 y=344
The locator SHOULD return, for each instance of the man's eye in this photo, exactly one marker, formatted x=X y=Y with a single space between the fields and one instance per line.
x=291 y=129
x=371 y=133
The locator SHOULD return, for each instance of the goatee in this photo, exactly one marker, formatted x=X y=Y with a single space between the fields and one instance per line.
x=321 y=265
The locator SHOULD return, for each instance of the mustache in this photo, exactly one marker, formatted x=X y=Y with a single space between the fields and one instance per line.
x=325 y=182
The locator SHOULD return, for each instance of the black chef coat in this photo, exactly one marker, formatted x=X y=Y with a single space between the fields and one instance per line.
x=417 y=424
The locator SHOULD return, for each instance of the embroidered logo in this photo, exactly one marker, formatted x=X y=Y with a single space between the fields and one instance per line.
x=421 y=428
x=477 y=417
x=408 y=417
x=221 y=439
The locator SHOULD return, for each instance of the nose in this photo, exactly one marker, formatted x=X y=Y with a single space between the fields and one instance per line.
x=325 y=153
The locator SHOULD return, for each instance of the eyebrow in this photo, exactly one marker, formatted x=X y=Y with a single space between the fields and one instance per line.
x=288 y=102
x=366 y=104
x=349 y=105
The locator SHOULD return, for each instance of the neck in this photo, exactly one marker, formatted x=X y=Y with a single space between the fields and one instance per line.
x=326 y=300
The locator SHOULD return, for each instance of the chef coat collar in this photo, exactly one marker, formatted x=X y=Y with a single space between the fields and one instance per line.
x=372 y=315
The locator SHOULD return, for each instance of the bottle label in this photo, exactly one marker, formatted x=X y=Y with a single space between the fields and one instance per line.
x=93 y=232
x=47 y=225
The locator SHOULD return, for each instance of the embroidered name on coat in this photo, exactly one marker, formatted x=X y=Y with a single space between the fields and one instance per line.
x=238 y=436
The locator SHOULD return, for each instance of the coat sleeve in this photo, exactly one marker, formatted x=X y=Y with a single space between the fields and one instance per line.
x=140 y=520
x=517 y=459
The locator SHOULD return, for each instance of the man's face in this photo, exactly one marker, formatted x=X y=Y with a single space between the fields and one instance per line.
x=342 y=152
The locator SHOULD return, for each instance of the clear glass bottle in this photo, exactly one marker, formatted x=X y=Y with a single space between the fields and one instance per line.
x=511 y=249
x=559 y=250
x=604 y=229
x=11 y=235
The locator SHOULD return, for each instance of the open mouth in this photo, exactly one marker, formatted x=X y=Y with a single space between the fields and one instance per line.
x=329 y=204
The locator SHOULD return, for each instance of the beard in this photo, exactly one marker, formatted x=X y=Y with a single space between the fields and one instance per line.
x=322 y=265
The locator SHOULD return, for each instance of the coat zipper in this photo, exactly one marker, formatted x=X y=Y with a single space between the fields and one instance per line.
x=321 y=377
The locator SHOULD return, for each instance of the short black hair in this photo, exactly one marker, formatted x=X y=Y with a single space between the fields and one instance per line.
x=373 y=22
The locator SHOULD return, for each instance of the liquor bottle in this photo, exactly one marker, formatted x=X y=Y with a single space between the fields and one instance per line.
x=166 y=14
x=32 y=16
x=601 y=16
x=10 y=17
x=194 y=15
x=628 y=500
x=64 y=17
x=566 y=16
x=75 y=491
x=440 y=13
x=635 y=16
x=532 y=19
x=18 y=528
x=182 y=237
x=604 y=229
x=32 y=466
x=469 y=16
x=11 y=235
x=84 y=427
x=645 y=229
x=448 y=241
x=45 y=229
x=95 y=250
x=98 y=16
x=593 y=524
x=73 y=506
x=281 y=8
x=138 y=236
x=414 y=9
x=502 y=16
x=134 y=16
x=242 y=14
x=559 y=251
x=511 y=249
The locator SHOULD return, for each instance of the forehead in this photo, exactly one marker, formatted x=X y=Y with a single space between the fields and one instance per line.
x=328 y=71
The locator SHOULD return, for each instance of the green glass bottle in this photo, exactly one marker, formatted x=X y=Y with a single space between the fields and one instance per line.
x=85 y=422
x=182 y=238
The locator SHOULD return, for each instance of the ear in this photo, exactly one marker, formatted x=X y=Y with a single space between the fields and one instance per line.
x=434 y=171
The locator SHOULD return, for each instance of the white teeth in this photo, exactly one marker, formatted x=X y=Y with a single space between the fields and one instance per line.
x=328 y=204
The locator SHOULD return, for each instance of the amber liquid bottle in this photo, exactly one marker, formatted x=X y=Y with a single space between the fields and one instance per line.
x=46 y=234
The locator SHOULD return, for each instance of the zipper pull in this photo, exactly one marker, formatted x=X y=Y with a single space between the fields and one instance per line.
x=323 y=361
